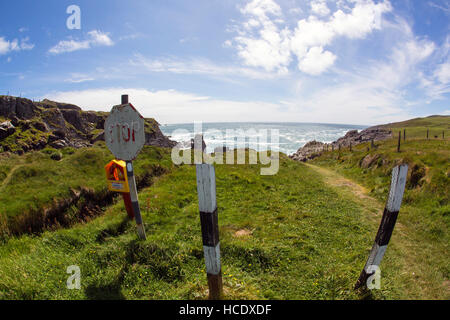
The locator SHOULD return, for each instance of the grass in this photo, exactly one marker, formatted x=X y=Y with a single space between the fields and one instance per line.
x=425 y=212
x=287 y=236
x=33 y=182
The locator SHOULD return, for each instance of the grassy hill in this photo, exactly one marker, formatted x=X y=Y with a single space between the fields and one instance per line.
x=52 y=188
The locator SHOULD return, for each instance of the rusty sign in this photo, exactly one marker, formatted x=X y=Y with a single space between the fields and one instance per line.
x=124 y=132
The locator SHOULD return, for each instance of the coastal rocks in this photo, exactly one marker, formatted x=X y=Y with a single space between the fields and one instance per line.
x=59 y=125
x=17 y=107
x=156 y=138
x=313 y=149
x=309 y=151
x=354 y=137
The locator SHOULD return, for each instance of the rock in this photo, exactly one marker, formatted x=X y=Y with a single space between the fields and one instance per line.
x=309 y=151
x=368 y=160
x=68 y=125
x=99 y=137
x=6 y=129
x=74 y=118
x=366 y=135
x=59 y=144
x=41 y=126
x=56 y=156
x=17 y=107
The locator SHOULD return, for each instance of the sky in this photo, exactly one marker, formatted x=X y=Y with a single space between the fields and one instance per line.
x=342 y=61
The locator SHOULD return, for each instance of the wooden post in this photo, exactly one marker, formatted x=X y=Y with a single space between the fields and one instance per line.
x=131 y=199
x=428 y=131
x=135 y=201
x=206 y=189
x=399 y=141
x=372 y=144
x=404 y=135
x=387 y=225
x=350 y=147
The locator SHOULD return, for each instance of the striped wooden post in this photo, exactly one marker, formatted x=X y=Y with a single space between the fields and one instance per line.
x=387 y=225
x=135 y=201
x=206 y=189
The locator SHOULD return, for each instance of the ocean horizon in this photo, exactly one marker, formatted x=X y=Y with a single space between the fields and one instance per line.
x=292 y=135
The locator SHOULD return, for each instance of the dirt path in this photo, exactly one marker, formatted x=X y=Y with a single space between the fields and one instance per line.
x=411 y=254
x=9 y=176
x=352 y=190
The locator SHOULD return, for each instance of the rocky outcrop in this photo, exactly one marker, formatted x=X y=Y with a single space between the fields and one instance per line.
x=34 y=125
x=354 y=137
x=21 y=108
x=309 y=151
x=313 y=149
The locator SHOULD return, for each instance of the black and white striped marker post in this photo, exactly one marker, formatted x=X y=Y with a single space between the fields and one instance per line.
x=135 y=201
x=387 y=225
x=206 y=189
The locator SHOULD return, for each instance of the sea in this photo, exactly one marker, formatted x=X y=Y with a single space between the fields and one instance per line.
x=258 y=136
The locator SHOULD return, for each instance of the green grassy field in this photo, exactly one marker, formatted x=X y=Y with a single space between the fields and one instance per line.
x=425 y=212
x=288 y=236
x=34 y=181
x=304 y=233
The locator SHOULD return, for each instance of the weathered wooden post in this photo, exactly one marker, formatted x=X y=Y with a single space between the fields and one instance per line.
x=399 y=141
x=428 y=131
x=125 y=137
x=387 y=225
x=404 y=135
x=206 y=189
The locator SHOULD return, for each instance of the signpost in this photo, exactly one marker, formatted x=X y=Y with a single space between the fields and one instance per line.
x=125 y=137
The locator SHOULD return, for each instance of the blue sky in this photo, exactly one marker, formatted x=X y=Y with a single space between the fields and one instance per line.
x=343 y=61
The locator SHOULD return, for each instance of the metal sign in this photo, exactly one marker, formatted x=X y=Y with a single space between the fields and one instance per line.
x=124 y=132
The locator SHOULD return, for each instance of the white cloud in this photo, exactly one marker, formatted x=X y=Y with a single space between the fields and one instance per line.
x=95 y=38
x=316 y=61
x=320 y=7
x=263 y=42
x=196 y=66
x=79 y=78
x=7 y=46
x=442 y=73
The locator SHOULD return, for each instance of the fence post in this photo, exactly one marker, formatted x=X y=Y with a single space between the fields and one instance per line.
x=399 y=141
x=428 y=130
x=135 y=201
x=206 y=189
x=387 y=224
x=404 y=135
